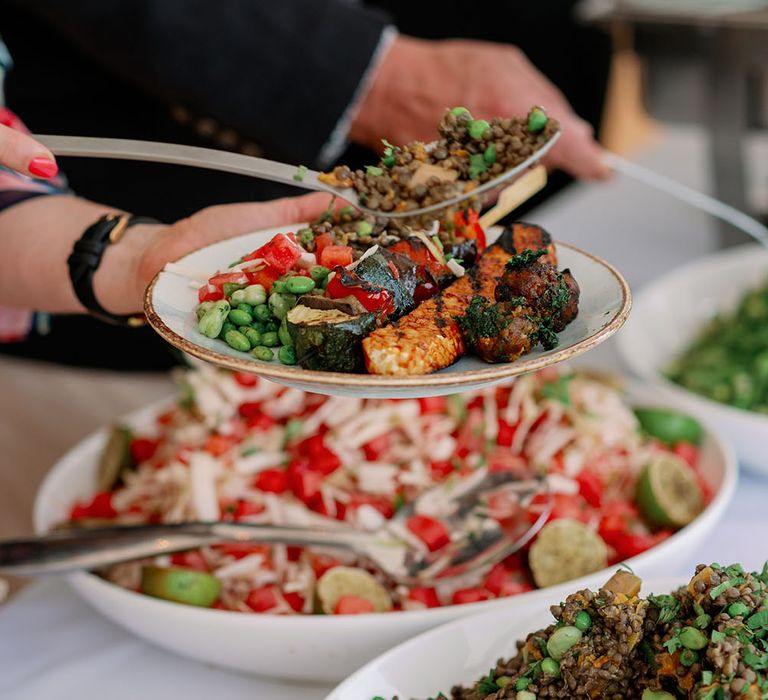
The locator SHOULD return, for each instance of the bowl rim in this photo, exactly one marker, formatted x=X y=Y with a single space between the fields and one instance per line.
x=457 y=379
x=697 y=268
x=85 y=581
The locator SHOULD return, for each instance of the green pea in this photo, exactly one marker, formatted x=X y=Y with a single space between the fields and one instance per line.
x=281 y=304
x=278 y=286
x=286 y=355
x=562 y=640
x=737 y=609
x=300 y=284
x=319 y=273
x=225 y=328
x=456 y=111
x=490 y=154
x=649 y=694
x=374 y=170
x=202 y=308
x=503 y=681
x=550 y=667
x=537 y=120
x=522 y=683
x=261 y=312
x=212 y=320
x=688 y=657
x=583 y=621
x=691 y=638
x=240 y=318
x=260 y=352
x=525 y=695
x=254 y=294
x=236 y=340
x=306 y=235
x=283 y=334
x=477 y=128
x=364 y=228
x=245 y=307
x=270 y=339
x=254 y=337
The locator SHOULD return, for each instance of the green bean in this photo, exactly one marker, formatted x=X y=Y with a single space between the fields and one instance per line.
x=300 y=284
x=286 y=355
x=270 y=339
x=283 y=334
x=254 y=294
x=254 y=337
x=281 y=304
x=236 y=340
x=562 y=640
x=261 y=313
x=225 y=328
x=263 y=353
x=319 y=273
x=212 y=320
x=240 y=318
x=202 y=308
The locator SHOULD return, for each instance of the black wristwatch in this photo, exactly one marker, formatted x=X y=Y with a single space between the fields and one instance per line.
x=86 y=257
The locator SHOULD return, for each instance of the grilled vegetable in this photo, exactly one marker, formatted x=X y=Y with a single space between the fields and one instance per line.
x=329 y=338
x=116 y=458
x=180 y=585
x=373 y=297
x=395 y=273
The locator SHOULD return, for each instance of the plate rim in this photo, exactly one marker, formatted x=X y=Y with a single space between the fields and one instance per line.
x=298 y=375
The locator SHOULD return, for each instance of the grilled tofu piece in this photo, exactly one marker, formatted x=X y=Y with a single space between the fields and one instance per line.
x=429 y=338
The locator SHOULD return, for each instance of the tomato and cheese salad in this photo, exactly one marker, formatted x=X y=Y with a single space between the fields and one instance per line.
x=239 y=448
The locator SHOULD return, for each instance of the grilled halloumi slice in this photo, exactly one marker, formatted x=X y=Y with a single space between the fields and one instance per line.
x=429 y=338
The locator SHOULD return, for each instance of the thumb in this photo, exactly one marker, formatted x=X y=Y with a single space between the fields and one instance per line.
x=25 y=155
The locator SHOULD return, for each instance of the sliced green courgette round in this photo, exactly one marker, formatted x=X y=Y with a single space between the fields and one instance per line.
x=180 y=585
x=566 y=549
x=668 y=493
x=669 y=426
x=341 y=581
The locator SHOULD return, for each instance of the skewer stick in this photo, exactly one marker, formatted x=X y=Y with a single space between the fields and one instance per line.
x=521 y=190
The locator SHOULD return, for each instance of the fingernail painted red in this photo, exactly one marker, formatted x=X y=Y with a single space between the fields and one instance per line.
x=43 y=167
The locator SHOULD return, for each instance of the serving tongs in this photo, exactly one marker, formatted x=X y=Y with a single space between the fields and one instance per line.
x=476 y=541
x=226 y=161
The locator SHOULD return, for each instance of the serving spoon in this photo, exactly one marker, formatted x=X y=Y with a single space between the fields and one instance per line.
x=226 y=161
x=476 y=542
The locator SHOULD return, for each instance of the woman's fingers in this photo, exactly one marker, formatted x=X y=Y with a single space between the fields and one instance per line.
x=25 y=155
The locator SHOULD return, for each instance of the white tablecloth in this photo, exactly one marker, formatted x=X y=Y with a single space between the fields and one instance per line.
x=53 y=646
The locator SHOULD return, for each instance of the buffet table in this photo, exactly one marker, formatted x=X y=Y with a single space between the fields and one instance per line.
x=54 y=645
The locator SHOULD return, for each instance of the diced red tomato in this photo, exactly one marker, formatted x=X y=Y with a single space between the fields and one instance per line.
x=321 y=457
x=281 y=253
x=100 y=506
x=208 y=293
x=381 y=503
x=266 y=277
x=260 y=422
x=506 y=433
x=563 y=506
x=626 y=545
x=321 y=243
x=304 y=481
x=217 y=444
x=321 y=563
x=470 y=595
x=353 y=605
x=375 y=448
x=501 y=581
x=245 y=379
x=262 y=599
x=271 y=480
x=295 y=600
x=590 y=487
x=432 y=404
x=245 y=508
x=425 y=596
x=424 y=291
x=189 y=560
x=688 y=452
x=238 y=550
x=441 y=470
x=430 y=531
x=250 y=409
x=293 y=552
x=143 y=449
x=222 y=278
x=333 y=255
x=78 y=512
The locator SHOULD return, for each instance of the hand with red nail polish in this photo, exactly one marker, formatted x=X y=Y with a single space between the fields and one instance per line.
x=22 y=153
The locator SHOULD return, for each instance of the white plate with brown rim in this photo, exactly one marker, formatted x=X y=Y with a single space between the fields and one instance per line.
x=170 y=303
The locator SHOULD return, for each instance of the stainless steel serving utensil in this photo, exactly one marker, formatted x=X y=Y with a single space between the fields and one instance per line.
x=476 y=543
x=151 y=151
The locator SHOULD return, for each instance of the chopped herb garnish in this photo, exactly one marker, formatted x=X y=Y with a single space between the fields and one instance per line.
x=706 y=677
x=524 y=259
x=673 y=643
x=388 y=160
x=248 y=451
x=482 y=320
x=668 y=606
x=717 y=591
x=759 y=662
x=488 y=684
x=477 y=165
x=717 y=637
x=758 y=620
x=300 y=173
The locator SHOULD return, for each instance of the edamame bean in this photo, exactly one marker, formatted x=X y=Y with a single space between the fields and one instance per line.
x=271 y=326
x=281 y=304
x=270 y=339
x=319 y=273
x=260 y=352
x=286 y=355
x=261 y=313
x=691 y=638
x=202 y=308
x=283 y=334
x=562 y=640
x=300 y=284
x=245 y=307
x=259 y=326
x=583 y=621
x=237 y=297
x=235 y=339
x=254 y=294
x=649 y=694
x=278 y=286
x=254 y=337
x=240 y=318
x=212 y=320
x=550 y=667
x=225 y=328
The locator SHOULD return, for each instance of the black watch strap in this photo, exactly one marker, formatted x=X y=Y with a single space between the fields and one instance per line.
x=86 y=257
